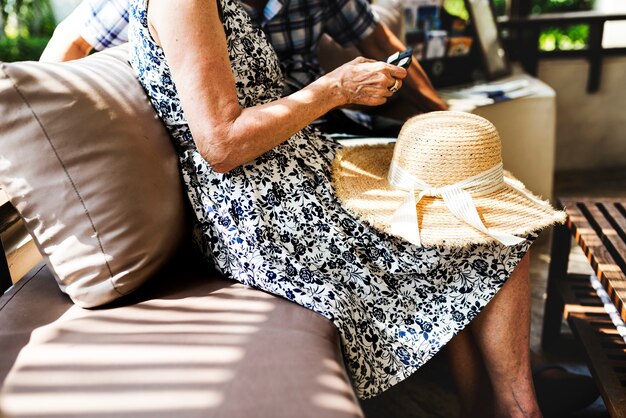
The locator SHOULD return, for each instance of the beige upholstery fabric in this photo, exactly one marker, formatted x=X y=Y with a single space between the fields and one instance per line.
x=91 y=169
x=188 y=344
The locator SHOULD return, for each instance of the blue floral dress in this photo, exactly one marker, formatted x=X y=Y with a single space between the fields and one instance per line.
x=276 y=224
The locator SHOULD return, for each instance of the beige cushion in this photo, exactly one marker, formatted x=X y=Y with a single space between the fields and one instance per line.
x=90 y=168
x=187 y=344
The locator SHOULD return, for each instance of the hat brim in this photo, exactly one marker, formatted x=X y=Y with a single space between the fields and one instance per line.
x=360 y=181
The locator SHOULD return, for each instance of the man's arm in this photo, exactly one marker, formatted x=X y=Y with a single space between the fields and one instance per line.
x=94 y=24
x=353 y=22
x=66 y=44
x=381 y=43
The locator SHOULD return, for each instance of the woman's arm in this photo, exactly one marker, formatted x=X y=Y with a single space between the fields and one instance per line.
x=192 y=37
x=379 y=45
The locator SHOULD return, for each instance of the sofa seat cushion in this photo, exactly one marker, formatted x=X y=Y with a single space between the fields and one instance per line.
x=187 y=344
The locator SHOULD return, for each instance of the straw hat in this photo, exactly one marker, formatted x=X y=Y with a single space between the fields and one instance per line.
x=441 y=184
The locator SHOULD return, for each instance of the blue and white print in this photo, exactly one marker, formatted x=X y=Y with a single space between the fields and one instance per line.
x=276 y=224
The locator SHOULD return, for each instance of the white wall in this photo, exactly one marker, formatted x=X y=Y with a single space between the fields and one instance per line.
x=591 y=128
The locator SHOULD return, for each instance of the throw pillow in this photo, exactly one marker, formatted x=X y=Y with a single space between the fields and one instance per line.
x=91 y=169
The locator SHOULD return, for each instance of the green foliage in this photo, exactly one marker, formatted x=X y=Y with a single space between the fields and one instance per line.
x=571 y=37
x=563 y=38
x=456 y=8
x=558 y=6
x=26 y=27
x=22 y=49
x=499 y=7
x=26 y=18
x=556 y=38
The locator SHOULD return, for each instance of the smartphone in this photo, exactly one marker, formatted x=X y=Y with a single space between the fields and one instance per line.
x=402 y=58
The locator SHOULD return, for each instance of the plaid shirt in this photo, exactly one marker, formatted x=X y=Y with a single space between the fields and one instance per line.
x=293 y=27
x=105 y=23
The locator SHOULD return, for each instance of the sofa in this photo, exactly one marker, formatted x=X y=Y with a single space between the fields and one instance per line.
x=122 y=318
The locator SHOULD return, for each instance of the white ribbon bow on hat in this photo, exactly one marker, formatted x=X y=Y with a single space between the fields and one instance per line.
x=457 y=198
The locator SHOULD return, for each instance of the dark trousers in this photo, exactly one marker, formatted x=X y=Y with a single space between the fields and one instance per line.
x=336 y=122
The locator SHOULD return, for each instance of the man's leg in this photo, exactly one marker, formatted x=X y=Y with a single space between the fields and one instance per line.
x=470 y=377
x=337 y=122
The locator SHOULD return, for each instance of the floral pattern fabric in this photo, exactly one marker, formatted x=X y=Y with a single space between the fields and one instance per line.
x=276 y=224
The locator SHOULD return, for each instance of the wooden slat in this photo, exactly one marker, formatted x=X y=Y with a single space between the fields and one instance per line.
x=617 y=214
x=610 y=258
x=611 y=235
x=602 y=243
x=605 y=370
x=573 y=304
x=599 y=227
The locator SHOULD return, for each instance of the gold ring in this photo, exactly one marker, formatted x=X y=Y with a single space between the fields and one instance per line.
x=395 y=86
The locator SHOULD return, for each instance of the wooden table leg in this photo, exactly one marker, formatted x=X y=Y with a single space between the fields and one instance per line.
x=553 y=312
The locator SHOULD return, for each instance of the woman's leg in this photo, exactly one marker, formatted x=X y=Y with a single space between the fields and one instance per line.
x=470 y=377
x=502 y=334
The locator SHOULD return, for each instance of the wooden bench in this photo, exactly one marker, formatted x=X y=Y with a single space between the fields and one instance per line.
x=8 y=217
x=599 y=227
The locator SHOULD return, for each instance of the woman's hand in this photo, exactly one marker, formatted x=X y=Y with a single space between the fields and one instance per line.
x=363 y=81
x=419 y=91
x=194 y=42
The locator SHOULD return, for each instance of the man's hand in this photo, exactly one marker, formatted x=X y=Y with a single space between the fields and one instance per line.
x=66 y=44
x=419 y=91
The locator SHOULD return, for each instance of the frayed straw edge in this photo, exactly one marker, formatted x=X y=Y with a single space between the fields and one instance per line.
x=557 y=217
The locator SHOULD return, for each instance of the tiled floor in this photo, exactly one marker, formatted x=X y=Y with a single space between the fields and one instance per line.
x=429 y=393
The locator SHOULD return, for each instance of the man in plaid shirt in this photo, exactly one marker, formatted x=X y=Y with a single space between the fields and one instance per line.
x=294 y=28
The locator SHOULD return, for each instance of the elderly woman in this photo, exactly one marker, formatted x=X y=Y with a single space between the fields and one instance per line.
x=266 y=214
